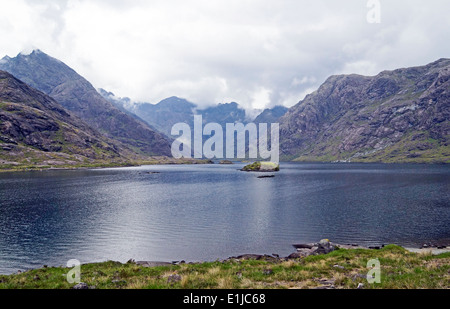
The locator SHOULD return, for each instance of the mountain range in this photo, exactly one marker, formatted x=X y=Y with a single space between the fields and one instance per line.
x=170 y=111
x=48 y=112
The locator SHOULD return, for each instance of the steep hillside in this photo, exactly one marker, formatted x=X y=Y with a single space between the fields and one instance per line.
x=395 y=116
x=271 y=115
x=36 y=130
x=77 y=95
x=166 y=113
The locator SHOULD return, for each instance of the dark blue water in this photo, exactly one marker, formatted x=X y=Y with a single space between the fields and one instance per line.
x=208 y=212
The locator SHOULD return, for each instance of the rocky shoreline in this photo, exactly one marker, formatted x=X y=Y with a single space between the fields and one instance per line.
x=309 y=266
x=303 y=250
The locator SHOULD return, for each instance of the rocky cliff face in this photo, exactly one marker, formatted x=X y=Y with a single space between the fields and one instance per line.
x=35 y=129
x=77 y=95
x=395 y=116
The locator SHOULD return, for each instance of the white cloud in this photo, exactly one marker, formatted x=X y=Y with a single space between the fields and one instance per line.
x=261 y=98
x=257 y=53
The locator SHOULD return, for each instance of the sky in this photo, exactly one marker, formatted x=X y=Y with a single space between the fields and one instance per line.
x=258 y=53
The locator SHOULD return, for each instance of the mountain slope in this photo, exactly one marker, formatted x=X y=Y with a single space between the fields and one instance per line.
x=166 y=113
x=170 y=111
x=35 y=129
x=77 y=95
x=271 y=115
x=224 y=113
x=395 y=116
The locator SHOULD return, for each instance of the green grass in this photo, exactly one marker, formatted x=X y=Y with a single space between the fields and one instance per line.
x=32 y=160
x=399 y=269
x=252 y=167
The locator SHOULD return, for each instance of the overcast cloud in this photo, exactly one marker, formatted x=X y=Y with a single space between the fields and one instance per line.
x=257 y=53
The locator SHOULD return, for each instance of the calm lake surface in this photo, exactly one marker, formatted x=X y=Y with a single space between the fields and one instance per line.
x=209 y=212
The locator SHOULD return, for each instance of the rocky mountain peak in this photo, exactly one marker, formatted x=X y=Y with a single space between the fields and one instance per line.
x=399 y=115
x=77 y=95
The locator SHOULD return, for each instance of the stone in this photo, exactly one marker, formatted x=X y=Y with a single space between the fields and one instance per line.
x=324 y=246
x=268 y=258
x=303 y=246
x=174 y=278
x=375 y=247
x=296 y=255
x=356 y=276
x=119 y=282
x=81 y=286
x=324 y=287
x=249 y=257
x=152 y=263
x=325 y=284
x=360 y=286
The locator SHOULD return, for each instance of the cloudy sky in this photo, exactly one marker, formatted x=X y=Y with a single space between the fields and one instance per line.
x=258 y=53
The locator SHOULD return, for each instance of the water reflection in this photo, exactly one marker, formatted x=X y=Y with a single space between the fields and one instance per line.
x=214 y=211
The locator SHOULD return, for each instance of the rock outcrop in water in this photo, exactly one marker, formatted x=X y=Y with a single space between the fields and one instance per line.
x=261 y=167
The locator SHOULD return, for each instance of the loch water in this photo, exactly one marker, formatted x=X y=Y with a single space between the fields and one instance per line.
x=209 y=212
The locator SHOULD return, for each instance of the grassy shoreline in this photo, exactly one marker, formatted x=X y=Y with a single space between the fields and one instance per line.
x=340 y=269
x=155 y=161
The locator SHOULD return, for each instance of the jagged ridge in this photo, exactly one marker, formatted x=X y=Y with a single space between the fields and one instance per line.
x=395 y=116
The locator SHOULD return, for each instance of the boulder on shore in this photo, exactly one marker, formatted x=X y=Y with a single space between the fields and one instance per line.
x=322 y=247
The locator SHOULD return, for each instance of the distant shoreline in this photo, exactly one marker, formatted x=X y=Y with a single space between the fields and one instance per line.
x=172 y=161
x=156 y=161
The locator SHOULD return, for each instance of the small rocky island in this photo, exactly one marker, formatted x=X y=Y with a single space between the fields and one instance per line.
x=261 y=167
